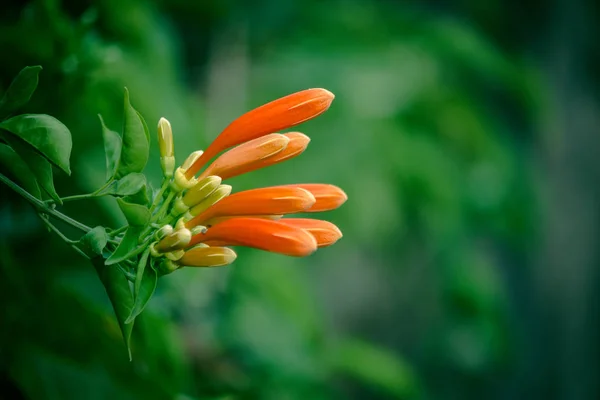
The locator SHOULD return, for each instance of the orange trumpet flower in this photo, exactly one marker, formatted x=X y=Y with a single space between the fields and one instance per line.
x=269 y=200
x=324 y=232
x=261 y=234
x=328 y=197
x=241 y=158
x=277 y=115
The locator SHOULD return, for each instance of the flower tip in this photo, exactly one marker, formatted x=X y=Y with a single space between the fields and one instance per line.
x=324 y=232
x=327 y=94
x=297 y=137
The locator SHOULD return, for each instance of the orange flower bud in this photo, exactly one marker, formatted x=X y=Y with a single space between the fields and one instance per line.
x=216 y=220
x=261 y=234
x=297 y=145
x=269 y=200
x=324 y=232
x=204 y=256
x=280 y=114
x=240 y=159
x=328 y=197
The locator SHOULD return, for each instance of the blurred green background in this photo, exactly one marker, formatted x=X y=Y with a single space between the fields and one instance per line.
x=465 y=133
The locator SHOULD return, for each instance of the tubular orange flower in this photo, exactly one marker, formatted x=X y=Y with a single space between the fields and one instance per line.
x=297 y=144
x=216 y=220
x=240 y=159
x=208 y=217
x=328 y=197
x=269 y=200
x=261 y=234
x=324 y=232
x=280 y=114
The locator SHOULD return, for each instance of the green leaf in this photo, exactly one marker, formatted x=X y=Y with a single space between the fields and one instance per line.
x=20 y=90
x=146 y=130
x=136 y=143
x=112 y=149
x=46 y=134
x=119 y=293
x=138 y=217
x=19 y=170
x=127 y=248
x=39 y=166
x=93 y=242
x=140 y=197
x=375 y=366
x=136 y=214
x=126 y=186
x=144 y=287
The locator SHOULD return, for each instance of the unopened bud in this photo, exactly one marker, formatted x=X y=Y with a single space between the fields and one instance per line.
x=175 y=255
x=165 y=145
x=201 y=190
x=167 y=266
x=191 y=159
x=204 y=256
x=182 y=220
x=162 y=232
x=175 y=241
x=180 y=182
x=198 y=229
x=220 y=193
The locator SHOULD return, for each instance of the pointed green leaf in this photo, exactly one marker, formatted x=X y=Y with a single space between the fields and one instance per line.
x=39 y=166
x=19 y=170
x=127 y=248
x=93 y=242
x=112 y=149
x=144 y=287
x=136 y=214
x=20 y=90
x=126 y=186
x=46 y=134
x=136 y=144
x=146 y=130
x=119 y=293
x=138 y=217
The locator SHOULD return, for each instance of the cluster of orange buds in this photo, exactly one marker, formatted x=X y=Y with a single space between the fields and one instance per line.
x=206 y=215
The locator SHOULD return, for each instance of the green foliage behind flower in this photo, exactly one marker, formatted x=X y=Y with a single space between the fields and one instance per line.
x=429 y=293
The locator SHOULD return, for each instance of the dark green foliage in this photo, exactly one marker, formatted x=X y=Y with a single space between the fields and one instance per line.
x=463 y=133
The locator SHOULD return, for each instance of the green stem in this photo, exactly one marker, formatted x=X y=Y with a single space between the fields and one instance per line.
x=43 y=207
x=128 y=274
x=82 y=196
x=54 y=229
x=77 y=197
x=118 y=230
x=159 y=195
x=165 y=206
